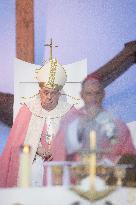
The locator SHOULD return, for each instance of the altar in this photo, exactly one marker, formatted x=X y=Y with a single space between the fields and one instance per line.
x=62 y=196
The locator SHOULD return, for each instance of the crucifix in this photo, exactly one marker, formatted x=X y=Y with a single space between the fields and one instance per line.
x=51 y=46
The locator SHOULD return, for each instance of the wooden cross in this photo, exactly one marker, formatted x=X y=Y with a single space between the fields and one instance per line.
x=51 y=46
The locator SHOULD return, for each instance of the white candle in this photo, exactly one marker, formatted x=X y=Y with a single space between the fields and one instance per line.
x=24 y=177
x=49 y=175
x=92 y=160
x=66 y=176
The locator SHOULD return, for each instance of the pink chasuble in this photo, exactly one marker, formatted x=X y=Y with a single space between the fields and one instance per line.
x=9 y=160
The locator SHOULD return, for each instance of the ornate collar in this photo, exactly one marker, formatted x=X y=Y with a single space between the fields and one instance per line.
x=59 y=111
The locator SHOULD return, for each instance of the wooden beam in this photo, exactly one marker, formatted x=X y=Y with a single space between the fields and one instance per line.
x=25 y=30
x=6 y=108
x=118 y=65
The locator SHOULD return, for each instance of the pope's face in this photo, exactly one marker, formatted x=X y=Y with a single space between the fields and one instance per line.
x=49 y=98
x=92 y=94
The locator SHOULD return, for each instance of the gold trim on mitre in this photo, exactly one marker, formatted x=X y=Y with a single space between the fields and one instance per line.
x=51 y=86
x=52 y=76
x=51 y=81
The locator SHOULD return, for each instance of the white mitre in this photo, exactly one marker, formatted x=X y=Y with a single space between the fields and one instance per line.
x=26 y=86
x=51 y=75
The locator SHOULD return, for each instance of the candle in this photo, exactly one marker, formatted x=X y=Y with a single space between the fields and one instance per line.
x=24 y=177
x=92 y=160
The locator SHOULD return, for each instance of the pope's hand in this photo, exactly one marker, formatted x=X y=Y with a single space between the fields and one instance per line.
x=46 y=155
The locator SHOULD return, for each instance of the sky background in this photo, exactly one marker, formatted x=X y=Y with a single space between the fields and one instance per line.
x=92 y=29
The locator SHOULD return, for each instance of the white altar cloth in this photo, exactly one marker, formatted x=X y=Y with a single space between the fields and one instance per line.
x=61 y=196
